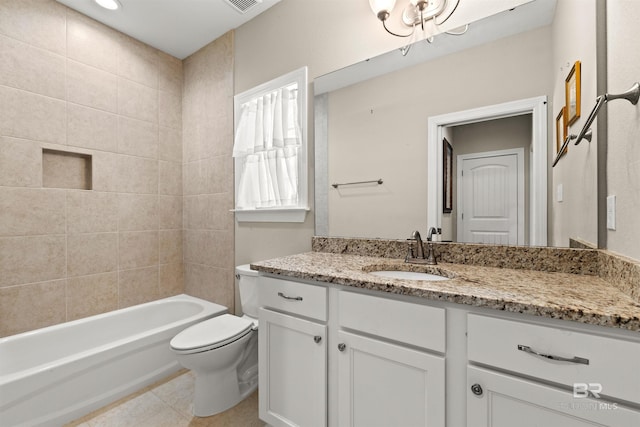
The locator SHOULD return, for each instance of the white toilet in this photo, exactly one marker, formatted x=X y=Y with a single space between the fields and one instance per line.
x=223 y=352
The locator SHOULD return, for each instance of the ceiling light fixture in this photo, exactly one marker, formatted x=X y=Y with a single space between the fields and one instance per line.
x=109 y=4
x=417 y=13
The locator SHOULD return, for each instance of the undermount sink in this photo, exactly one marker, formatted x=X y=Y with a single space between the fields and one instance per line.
x=408 y=275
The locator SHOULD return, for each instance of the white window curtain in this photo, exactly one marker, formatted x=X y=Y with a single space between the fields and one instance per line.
x=267 y=143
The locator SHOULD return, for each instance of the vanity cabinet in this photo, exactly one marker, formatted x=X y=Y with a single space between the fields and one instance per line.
x=292 y=353
x=530 y=375
x=339 y=356
x=385 y=375
x=388 y=369
x=384 y=384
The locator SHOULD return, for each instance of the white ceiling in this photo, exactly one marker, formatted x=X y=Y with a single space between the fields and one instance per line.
x=177 y=27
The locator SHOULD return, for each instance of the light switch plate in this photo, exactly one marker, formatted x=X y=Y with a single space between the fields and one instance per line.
x=559 y=192
x=611 y=212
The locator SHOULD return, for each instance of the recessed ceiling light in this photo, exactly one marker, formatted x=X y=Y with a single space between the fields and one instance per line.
x=109 y=4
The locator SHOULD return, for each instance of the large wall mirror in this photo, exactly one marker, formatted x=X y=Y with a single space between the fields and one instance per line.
x=381 y=127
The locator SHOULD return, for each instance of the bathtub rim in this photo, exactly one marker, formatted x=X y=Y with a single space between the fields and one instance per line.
x=210 y=309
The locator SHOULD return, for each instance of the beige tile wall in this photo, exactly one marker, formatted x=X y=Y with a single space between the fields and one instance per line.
x=69 y=83
x=207 y=115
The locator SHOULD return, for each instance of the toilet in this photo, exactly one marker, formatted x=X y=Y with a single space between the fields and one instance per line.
x=223 y=352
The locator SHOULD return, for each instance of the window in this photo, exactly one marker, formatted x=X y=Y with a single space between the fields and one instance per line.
x=270 y=150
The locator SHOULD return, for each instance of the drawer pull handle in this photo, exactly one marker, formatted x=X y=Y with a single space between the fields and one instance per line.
x=576 y=359
x=342 y=346
x=280 y=294
x=317 y=339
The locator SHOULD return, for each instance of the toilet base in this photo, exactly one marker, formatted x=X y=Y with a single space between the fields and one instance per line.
x=217 y=392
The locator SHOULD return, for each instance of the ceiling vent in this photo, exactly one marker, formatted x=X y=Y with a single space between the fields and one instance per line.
x=243 y=5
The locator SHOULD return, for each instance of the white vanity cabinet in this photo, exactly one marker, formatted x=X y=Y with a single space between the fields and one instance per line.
x=292 y=353
x=388 y=368
x=531 y=375
x=385 y=376
x=344 y=357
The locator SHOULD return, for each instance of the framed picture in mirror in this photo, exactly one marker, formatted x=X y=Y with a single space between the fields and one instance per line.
x=572 y=94
x=447 y=180
x=561 y=129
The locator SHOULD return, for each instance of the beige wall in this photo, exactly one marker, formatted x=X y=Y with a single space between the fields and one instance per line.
x=623 y=133
x=576 y=216
x=68 y=83
x=208 y=172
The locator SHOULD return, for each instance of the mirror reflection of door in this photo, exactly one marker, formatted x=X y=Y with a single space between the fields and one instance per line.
x=499 y=136
x=491 y=197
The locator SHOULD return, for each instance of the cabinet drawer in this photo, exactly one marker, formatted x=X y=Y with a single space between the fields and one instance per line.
x=293 y=297
x=405 y=322
x=588 y=359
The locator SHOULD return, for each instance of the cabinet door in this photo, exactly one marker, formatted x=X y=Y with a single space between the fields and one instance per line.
x=507 y=401
x=383 y=384
x=292 y=370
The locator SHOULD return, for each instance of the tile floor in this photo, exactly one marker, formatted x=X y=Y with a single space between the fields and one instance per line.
x=168 y=404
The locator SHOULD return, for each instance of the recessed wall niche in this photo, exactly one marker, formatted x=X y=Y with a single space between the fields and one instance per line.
x=64 y=169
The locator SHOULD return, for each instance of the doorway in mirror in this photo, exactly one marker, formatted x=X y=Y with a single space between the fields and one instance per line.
x=491 y=197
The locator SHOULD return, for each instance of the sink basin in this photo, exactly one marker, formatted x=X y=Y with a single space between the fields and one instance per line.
x=407 y=275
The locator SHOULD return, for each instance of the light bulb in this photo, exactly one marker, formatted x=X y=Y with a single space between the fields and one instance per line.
x=108 y=4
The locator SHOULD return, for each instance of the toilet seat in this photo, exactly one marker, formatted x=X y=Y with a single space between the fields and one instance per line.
x=211 y=334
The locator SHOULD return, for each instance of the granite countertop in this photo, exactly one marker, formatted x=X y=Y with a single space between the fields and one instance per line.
x=559 y=295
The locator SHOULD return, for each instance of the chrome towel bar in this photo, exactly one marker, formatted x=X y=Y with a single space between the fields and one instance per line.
x=378 y=181
x=588 y=135
x=632 y=95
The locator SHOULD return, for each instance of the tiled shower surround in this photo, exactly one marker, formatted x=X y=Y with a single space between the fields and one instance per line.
x=126 y=111
x=208 y=172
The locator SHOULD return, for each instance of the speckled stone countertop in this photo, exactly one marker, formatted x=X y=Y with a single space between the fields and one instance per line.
x=584 y=298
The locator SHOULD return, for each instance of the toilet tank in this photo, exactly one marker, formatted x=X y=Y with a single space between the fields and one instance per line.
x=248 y=287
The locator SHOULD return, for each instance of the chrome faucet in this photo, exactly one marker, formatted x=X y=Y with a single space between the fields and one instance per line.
x=419 y=258
x=432 y=231
x=420 y=249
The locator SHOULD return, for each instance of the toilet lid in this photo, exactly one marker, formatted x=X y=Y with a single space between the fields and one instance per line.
x=212 y=333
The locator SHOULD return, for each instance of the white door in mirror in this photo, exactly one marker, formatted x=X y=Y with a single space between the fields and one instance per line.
x=490 y=199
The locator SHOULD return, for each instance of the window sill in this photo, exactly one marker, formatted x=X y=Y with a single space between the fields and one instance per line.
x=296 y=214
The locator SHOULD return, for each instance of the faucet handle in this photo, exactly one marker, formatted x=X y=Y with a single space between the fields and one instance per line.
x=409 y=252
x=431 y=255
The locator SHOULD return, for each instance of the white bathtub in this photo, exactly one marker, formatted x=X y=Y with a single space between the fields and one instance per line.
x=59 y=373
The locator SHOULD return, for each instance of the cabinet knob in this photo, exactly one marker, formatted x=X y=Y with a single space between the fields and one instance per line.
x=317 y=339
x=477 y=389
x=342 y=346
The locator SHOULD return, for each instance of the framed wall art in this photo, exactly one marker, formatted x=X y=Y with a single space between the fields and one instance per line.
x=561 y=129
x=447 y=179
x=572 y=94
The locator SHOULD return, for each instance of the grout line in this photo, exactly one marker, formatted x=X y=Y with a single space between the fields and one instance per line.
x=66 y=255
